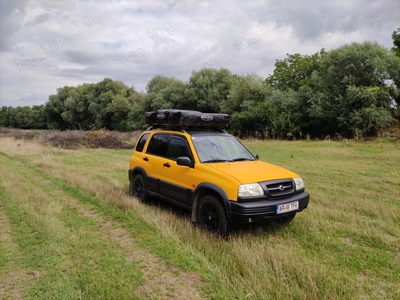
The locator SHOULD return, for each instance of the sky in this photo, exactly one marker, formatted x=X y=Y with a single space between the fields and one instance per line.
x=49 y=44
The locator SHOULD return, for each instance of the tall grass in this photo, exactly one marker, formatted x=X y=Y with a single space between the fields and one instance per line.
x=344 y=246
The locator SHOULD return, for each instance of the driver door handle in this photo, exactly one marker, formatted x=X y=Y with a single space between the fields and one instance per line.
x=166 y=165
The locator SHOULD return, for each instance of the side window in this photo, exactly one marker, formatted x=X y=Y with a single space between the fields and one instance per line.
x=177 y=147
x=142 y=142
x=159 y=144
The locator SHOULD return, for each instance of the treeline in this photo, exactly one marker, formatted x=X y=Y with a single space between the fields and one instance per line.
x=353 y=90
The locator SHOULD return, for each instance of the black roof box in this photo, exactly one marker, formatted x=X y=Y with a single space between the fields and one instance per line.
x=186 y=118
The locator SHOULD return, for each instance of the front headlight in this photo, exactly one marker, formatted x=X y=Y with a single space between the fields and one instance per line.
x=299 y=184
x=250 y=190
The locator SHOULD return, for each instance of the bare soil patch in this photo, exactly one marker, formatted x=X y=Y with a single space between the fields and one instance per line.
x=162 y=281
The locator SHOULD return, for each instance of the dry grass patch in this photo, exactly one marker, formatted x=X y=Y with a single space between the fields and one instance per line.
x=44 y=201
x=74 y=139
x=344 y=246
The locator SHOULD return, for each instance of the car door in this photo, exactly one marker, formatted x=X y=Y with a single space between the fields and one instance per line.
x=156 y=157
x=178 y=179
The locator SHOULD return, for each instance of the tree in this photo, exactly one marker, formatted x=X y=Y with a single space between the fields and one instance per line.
x=135 y=119
x=249 y=105
x=159 y=82
x=167 y=92
x=245 y=91
x=56 y=106
x=294 y=71
x=208 y=88
x=351 y=81
x=253 y=117
x=118 y=111
x=109 y=104
x=4 y=116
x=396 y=42
x=39 y=117
x=394 y=71
x=76 y=108
x=290 y=114
x=105 y=104
x=21 y=117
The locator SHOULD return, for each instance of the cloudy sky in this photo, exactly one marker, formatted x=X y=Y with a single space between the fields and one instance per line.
x=47 y=44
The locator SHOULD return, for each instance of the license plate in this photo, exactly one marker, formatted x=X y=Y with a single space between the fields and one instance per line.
x=284 y=208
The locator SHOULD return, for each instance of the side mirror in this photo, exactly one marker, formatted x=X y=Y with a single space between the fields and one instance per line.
x=256 y=156
x=184 y=161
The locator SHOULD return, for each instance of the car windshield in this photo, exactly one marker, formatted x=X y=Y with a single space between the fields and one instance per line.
x=220 y=148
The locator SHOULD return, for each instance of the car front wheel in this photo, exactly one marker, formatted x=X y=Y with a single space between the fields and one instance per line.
x=211 y=216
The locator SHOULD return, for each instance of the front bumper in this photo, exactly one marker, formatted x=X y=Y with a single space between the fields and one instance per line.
x=256 y=211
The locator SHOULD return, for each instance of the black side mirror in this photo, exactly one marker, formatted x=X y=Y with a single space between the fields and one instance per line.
x=256 y=156
x=184 y=161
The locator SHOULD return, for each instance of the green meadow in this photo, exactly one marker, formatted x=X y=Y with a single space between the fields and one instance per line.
x=70 y=230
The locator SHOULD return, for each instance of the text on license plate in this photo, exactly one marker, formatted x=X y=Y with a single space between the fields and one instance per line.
x=284 y=208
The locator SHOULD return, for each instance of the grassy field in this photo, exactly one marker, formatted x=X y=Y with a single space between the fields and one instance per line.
x=69 y=230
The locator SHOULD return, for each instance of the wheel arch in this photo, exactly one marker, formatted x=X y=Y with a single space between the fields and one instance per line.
x=137 y=170
x=207 y=188
x=131 y=175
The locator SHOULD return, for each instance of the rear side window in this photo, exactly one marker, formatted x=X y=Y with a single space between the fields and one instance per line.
x=159 y=144
x=142 y=142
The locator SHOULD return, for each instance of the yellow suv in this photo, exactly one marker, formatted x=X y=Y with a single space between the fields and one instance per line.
x=186 y=158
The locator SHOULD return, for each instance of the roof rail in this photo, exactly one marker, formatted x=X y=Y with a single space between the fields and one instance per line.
x=184 y=128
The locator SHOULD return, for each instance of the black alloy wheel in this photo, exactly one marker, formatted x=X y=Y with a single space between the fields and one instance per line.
x=138 y=188
x=211 y=216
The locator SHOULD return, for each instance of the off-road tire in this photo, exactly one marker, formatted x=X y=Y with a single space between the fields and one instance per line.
x=137 y=188
x=211 y=216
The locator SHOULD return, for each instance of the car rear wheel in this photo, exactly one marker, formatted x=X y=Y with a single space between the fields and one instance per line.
x=138 y=188
x=211 y=216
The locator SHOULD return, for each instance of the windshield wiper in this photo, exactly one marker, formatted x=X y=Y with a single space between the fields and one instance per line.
x=215 y=161
x=241 y=159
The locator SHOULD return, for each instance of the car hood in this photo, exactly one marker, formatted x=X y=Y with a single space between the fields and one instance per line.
x=253 y=171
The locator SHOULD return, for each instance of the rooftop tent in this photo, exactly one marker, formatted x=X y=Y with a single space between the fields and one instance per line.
x=186 y=118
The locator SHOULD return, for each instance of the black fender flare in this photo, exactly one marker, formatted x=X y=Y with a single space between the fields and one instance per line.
x=132 y=172
x=197 y=194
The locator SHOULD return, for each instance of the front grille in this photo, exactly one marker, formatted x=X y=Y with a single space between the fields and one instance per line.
x=279 y=188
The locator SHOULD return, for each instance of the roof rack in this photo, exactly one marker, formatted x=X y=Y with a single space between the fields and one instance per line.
x=185 y=128
x=154 y=127
x=183 y=119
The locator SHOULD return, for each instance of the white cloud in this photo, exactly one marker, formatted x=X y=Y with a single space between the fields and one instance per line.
x=48 y=44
